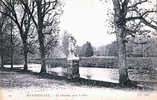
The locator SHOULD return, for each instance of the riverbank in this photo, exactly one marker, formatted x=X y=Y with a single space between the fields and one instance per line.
x=31 y=85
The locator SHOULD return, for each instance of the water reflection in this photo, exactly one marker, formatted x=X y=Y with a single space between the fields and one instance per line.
x=102 y=74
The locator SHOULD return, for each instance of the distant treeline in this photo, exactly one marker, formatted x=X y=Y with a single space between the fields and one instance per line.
x=132 y=49
x=103 y=62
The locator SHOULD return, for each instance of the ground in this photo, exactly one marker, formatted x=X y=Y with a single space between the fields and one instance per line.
x=17 y=85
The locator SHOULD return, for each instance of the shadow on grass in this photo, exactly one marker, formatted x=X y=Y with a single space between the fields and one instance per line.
x=132 y=85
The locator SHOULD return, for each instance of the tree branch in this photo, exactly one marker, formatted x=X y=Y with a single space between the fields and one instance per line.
x=136 y=4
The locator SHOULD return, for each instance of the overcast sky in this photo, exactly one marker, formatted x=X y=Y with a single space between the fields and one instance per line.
x=86 y=21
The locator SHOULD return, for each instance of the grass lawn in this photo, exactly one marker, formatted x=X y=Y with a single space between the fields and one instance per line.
x=18 y=85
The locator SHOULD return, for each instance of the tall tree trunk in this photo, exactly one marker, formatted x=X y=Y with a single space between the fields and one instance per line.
x=41 y=36
x=12 y=60
x=123 y=71
x=25 y=49
x=25 y=55
x=11 y=42
x=2 y=61
x=42 y=50
x=1 y=50
x=119 y=21
x=43 y=63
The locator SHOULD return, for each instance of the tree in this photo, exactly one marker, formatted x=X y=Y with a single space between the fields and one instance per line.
x=9 y=48
x=12 y=48
x=3 y=21
x=128 y=17
x=111 y=49
x=65 y=43
x=79 y=51
x=4 y=27
x=46 y=15
x=89 y=50
x=86 y=50
x=51 y=43
x=19 y=15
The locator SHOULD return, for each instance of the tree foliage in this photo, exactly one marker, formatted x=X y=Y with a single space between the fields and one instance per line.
x=65 y=43
x=86 y=50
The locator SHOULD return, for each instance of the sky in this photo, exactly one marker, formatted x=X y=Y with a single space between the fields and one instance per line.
x=86 y=21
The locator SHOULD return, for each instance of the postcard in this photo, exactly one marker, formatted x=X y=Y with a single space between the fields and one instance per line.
x=78 y=50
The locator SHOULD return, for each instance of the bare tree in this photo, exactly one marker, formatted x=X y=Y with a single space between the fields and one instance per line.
x=46 y=15
x=3 y=28
x=65 y=43
x=22 y=19
x=129 y=11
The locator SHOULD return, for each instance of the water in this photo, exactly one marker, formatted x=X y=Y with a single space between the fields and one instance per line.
x=101 y=74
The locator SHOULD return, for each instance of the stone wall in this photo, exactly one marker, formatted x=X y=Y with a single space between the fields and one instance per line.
x=58 y=62
x=111 y=62
x=107 y=62
x=142 y=62
x=104 y=62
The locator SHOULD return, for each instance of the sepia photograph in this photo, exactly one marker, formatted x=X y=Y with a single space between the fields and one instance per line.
x=78 y=49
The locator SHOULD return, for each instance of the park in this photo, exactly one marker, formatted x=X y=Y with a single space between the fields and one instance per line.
x=40 y=58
